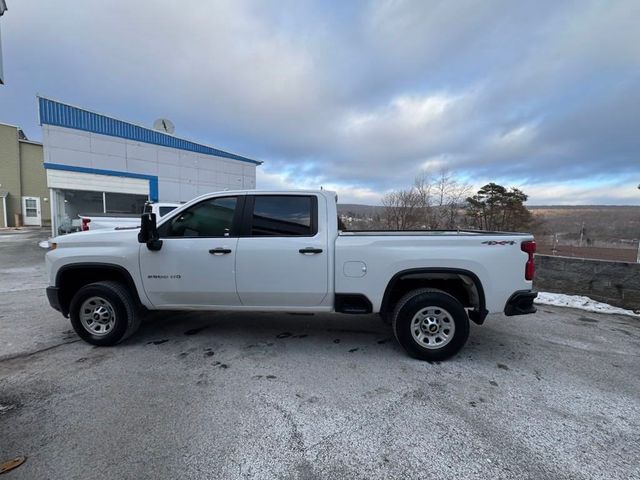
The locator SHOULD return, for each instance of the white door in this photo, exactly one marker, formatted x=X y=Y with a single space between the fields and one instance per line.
x=196 y=265
x=282 y=260
x=31 y=214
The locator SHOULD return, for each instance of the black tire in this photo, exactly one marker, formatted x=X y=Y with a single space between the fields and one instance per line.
x=417 y=300
x=119 y=303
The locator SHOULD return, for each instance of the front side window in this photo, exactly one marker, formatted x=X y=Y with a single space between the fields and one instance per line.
x=288 y=215
x=164 y=210
x=211 y=218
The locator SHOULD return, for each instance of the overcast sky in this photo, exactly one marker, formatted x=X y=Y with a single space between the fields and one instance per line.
x=355 y=96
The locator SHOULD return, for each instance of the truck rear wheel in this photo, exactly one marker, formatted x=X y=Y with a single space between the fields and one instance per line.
x=430 y=324
x=103 y=313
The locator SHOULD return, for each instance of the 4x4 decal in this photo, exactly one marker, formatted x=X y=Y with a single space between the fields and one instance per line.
x=499 y=242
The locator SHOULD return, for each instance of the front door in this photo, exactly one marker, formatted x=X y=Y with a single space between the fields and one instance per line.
x=31 y=214
x=282 y=258
x=196 y=265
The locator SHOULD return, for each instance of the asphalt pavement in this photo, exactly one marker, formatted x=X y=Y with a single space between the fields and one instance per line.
x=555 y=395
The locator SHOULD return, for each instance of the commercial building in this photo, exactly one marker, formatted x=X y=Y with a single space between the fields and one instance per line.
x=96 y=163
x=89 y=163
x=24 y=196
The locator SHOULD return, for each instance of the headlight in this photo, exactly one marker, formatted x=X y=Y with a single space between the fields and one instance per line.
x=48 y=245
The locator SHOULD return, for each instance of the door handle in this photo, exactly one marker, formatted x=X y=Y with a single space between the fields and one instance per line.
x=220 y=251
x=310 y=250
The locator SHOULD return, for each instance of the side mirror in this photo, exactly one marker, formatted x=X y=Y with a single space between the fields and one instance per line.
x=149 y=232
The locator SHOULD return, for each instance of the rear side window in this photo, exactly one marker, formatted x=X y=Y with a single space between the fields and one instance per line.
x=211 y=218
x=284 y=215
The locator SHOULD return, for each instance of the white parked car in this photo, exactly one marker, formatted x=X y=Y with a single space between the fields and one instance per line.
x=283 y=251
x=116 y=220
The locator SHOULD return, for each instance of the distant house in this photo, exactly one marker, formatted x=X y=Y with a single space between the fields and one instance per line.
x=23 y=181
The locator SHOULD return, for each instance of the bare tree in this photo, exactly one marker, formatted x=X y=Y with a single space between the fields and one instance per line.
x=451 y=196
x=401 y=209
x=442 y=198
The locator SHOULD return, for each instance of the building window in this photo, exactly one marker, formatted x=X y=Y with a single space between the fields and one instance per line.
x=124 y=203
x=70 y=205
x=31 y=207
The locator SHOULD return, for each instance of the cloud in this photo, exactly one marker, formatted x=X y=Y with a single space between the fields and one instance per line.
x=359 y=96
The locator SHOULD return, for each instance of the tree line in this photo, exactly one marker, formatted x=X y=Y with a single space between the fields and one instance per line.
x=442 y=202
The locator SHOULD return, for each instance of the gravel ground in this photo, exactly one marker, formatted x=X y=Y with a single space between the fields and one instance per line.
x=553 y=395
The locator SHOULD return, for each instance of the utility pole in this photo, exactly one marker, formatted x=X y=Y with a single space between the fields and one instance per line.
x=3 y=8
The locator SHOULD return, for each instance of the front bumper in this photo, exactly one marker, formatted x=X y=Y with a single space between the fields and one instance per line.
x=53 y=295
x=520 y=303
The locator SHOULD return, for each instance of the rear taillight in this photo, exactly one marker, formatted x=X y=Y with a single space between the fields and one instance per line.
x=85 y=224
x=529 y=247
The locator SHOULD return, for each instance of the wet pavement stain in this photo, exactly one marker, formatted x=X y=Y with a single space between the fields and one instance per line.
x=158 y=342
x=353 y=350
x=283 y=335
x=627 y=333
x=502 y=366
x=347 y=330
x=588 y=320
x=384 y=340
x=194 y=331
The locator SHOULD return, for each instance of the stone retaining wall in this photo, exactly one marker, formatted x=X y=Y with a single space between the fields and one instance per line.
x=616 y=283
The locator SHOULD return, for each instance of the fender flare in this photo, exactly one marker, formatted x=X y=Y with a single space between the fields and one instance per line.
x=477 y=316
x=130 y=283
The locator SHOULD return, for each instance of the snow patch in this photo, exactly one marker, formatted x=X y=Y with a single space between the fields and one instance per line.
x=581 y=303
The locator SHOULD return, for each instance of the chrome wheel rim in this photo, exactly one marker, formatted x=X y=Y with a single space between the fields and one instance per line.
x=97 y=316
x=432 y=327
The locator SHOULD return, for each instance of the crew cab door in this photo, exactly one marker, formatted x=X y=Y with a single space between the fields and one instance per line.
x=196 y=264
x=282 y=258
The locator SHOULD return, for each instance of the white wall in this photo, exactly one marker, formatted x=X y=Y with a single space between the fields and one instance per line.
x=182 y=175
x=63 y=180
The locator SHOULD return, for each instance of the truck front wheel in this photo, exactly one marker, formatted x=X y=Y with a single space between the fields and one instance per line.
x=430 y=324
x=103 y=313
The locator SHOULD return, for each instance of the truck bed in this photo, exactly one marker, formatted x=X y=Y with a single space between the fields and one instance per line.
x=427 y=232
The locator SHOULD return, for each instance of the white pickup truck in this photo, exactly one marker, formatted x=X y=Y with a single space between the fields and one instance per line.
x=116 y=220
x=283 y=251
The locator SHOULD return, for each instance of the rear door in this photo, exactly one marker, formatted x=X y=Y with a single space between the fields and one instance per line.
x=31 y=214
x=282 y=258
x=196 y=264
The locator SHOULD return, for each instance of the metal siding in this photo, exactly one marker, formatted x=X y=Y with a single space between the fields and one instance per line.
x=153 y=179
x=59 y=114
